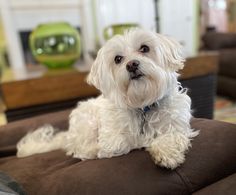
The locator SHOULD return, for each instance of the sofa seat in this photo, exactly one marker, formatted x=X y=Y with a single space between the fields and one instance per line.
x=225 y=45
x=210 y=165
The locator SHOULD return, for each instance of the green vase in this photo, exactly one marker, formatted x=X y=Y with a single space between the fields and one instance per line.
x=56 y=45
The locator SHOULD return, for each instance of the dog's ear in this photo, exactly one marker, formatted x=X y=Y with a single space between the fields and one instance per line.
x=100 y=75
x=171 y=51
x=95 y=72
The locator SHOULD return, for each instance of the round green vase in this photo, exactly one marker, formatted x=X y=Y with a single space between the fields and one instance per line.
x=56 y=45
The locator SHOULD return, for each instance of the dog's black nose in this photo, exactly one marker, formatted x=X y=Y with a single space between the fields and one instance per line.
x=132 y=65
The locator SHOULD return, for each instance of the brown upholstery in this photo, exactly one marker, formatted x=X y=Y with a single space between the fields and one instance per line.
x=225 y=186
x=227 y=61
x=209 y=166
x=216 y=40
x=226 y=86
x=225 y=44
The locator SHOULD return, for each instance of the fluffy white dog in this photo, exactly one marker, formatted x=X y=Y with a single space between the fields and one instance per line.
x=142 y=105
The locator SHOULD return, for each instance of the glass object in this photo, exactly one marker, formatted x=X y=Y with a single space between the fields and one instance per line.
x=56 y=45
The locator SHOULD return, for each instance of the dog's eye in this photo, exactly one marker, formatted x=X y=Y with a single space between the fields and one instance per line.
x=144 y=49
x=118 y=59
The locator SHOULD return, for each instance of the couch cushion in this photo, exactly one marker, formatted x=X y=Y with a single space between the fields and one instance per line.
x=227 y=62
x=224 y=186
x=211 y=158
x=226 y=86
x=12 y=132
x=54 y=173
x=216 y=40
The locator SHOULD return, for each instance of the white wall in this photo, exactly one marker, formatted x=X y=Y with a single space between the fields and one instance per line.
x=178 y=19
x=124 y=11
x=29 y=13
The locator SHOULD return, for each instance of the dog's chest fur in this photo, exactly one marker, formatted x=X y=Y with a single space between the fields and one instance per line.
x=137 y=124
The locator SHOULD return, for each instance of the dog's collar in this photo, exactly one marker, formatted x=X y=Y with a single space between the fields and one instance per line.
x=143 y=111
x=148 y=108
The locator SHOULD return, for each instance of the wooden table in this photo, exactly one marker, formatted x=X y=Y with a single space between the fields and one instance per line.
x=55 y=90
x=46 y=89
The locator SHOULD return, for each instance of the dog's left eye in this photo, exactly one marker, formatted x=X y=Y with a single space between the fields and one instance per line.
x=144 y=49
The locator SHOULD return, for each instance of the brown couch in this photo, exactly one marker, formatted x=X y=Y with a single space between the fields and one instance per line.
x=210 y=166
x=225 y=45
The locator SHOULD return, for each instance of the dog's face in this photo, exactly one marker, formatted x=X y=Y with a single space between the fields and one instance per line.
x=137 y=68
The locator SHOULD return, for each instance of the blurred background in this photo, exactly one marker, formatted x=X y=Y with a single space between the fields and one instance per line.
x=47 y=48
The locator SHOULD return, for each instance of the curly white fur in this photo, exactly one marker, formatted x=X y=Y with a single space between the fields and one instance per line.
x=114 y=123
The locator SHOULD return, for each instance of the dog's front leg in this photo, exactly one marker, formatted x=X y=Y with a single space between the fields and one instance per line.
x=168 y=150
x=112 y=145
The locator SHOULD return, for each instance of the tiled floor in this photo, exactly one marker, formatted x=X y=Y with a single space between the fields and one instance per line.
x=225 y=110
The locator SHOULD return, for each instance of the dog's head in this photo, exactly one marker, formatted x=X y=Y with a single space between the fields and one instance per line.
x=137 y=69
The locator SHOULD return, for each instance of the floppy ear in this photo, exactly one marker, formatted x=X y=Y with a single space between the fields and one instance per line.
x=94 y=77
x=100 y=75
x=172 y=52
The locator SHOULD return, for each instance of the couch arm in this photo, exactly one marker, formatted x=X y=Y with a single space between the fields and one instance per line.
x=216 y=40
x=224 y=186
x=11 y=133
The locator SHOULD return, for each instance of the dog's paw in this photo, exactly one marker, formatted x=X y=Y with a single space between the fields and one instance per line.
x=169 y=150
x=167 y=158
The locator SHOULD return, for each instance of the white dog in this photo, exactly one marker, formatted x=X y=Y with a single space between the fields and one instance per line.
x=142 y=105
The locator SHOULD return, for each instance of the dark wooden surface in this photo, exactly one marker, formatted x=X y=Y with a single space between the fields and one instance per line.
x=46 y=89
x=203 y=64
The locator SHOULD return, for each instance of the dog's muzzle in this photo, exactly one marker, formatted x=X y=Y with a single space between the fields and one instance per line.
x=133 y=68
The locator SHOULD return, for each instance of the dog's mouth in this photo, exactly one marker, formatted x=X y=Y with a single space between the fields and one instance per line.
x=136 y=75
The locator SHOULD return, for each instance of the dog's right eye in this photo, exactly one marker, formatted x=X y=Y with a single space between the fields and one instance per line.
x=118 y=59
